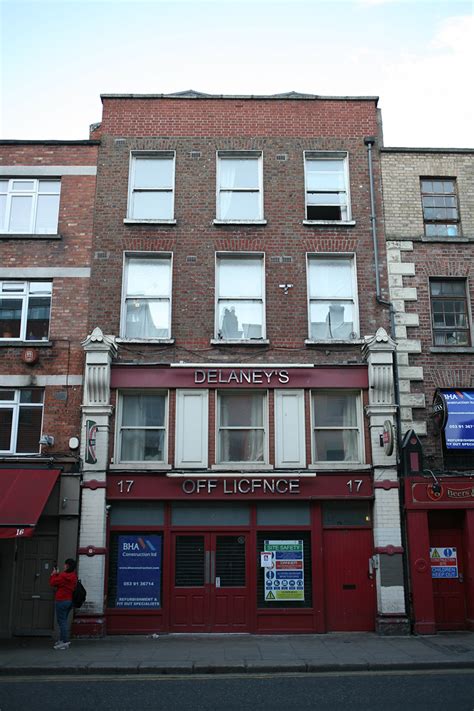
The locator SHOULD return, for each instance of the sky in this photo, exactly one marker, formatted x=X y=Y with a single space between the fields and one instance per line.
x=56 y=58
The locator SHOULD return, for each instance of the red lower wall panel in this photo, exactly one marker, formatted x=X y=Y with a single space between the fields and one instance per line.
x=285 y=622
x=134 y=624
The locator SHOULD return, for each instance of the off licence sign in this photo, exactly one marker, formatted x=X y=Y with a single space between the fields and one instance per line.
x=284 y=579
x=444 y=562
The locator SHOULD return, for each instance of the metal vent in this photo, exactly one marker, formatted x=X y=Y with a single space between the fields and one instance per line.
x=276 y=260
x=286 y=259
x=120 y=142
x=195 y=155
x=191 y=259
x=101 y=255
x=282 y=156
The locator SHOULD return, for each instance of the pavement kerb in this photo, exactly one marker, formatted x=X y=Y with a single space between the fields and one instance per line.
x=203 y=668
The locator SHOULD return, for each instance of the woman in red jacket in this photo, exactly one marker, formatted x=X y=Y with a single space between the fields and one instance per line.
x=65 y=584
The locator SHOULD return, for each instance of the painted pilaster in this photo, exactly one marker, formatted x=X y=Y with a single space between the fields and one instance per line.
x=378 y=351
x=96 y=412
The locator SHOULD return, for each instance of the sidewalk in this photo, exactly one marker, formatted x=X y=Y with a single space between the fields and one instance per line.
x=223 y=654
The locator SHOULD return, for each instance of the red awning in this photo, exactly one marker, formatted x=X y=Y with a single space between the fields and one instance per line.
x=23 y=496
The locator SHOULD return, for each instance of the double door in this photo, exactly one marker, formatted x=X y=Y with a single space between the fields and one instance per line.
x=210 y=582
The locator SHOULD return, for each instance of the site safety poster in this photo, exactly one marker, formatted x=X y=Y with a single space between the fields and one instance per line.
x=139 y=571
x=444 y=562
x=284 y=579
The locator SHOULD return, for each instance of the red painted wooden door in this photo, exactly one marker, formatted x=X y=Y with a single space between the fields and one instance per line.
x=349 y=590
x=210 y=582
x=449 y=593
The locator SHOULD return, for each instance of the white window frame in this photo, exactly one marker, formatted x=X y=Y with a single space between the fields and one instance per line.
x=338 y=464
x=16 y=405
x=342 y=156
x=238 y=256
x=243 y=465
x=330 y=256
x=33 y=193
x=123 y=313
x=157 y=155
x=24 y=295
x=143 y=464
x=244 y=155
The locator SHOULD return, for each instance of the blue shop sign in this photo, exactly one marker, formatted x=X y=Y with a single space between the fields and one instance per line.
x=139 y=571
x=459 y=428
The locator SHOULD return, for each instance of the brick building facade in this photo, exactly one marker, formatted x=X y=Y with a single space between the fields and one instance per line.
x=429 y=228
x=47 y=192
x=239 y=371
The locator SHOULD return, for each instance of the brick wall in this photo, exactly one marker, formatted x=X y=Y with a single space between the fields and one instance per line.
x=412 y=261
x=62 y=359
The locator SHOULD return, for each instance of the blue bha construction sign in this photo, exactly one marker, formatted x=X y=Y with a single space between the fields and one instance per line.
x=459 y=430
x=139 y=571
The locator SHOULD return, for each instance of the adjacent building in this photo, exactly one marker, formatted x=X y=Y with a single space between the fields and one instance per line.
x=47 y=191
x=239 y=469
x=429 y=228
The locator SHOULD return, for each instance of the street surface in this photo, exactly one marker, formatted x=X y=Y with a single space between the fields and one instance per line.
x=362 y=691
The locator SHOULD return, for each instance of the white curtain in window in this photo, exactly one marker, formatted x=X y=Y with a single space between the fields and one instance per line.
x=227 y=177
x=242 y=411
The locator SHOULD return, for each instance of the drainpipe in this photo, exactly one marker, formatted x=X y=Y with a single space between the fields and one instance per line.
x=370 y=142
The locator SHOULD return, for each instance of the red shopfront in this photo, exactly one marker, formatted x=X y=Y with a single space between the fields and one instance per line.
x=210 y=539
x=440 y=524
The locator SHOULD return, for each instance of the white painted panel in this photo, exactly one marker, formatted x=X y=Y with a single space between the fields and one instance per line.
x=191 y=428
x=289 y=428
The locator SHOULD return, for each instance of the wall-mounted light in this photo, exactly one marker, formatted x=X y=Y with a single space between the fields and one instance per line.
x=285 y=287
x=47 y=440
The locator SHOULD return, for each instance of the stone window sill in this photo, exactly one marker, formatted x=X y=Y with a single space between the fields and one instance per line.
x=339 y=466
x=133 y=221
x=239 y=222
x=147 y=341
x=242 y=467
x=445 y=240
x=240 y=342
x=10 y=343
x=11 y=235
x=335 y=342
x=140 y=466
x=452 y=349
x=331 y=223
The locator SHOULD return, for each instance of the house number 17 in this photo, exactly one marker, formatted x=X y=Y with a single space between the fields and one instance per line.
x=354 y=485
x=125 y=485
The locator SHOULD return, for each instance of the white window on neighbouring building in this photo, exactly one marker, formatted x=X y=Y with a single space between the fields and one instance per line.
x=337 y=426
x=151 y=186
x=239 y=186
x=21 y=415
x=242 y=427
x=332 y=293
x=142 y=418
x=146 y=312
x=327 y=187
x=25 y=310
x=240 y=298
x=29 y=206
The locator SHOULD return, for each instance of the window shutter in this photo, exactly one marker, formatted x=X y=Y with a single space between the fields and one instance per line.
x=191 y=428
x=289 y=428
